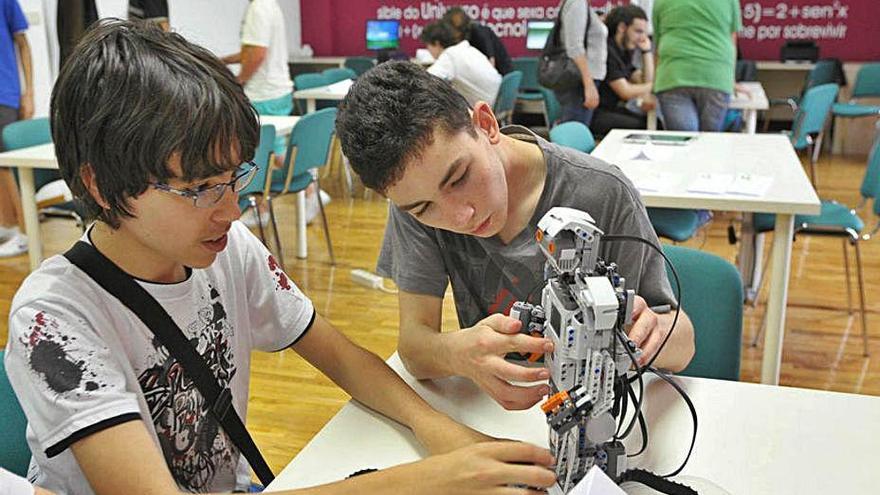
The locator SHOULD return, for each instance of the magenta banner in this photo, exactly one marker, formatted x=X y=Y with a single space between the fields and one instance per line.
x=846 y=29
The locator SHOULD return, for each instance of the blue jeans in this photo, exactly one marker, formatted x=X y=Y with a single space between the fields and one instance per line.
x=572 y=102
x=693 y=109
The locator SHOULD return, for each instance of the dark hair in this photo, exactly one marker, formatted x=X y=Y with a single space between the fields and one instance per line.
x=625 y=14
x=439 y=32
x=129 y=98
x=390 y=115
x=460 y=22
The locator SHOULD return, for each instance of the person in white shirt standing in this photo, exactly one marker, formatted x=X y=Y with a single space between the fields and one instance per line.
x=465 y=67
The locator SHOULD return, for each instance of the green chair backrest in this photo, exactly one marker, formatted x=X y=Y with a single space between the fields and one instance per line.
x=309 y=80
x=529 y=68
x=746 y=70
x=26 y=133
x=551 y=106
x=574 y=135
x=337 y=74
x=310 y=140
x=261 y=158
x=15 y=455
x=812 y=113
x=867 y=81
x=871 y=182
x=360 y=64
x=825 y=71
x=507 y=92
x=713 y=300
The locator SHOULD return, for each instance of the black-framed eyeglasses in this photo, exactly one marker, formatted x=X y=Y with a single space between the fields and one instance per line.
x=212 y=195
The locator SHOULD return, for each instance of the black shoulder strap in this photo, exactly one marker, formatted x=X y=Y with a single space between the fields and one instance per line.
x=153 y=315
x=553 y=45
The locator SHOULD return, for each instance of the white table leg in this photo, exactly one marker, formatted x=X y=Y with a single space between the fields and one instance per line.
x=31 y=217
x=780 y=266
x=311 y=105
x=301 y=247
x=751 y=118
x=652 y=120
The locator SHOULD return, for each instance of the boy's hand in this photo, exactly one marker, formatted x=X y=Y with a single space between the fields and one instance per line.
x=478 y=353
x=646 y=331
x=488 y=468
x=440 y=434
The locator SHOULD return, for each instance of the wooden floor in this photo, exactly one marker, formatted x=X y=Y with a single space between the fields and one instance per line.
x=290 y=401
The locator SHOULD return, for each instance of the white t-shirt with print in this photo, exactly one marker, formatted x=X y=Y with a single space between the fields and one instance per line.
x=469 y=72
x=264 y=26
x=80 y=361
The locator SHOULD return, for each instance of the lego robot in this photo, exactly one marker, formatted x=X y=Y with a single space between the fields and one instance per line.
x=584 y=309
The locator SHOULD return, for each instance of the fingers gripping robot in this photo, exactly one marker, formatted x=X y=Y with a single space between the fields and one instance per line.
x=584 y=310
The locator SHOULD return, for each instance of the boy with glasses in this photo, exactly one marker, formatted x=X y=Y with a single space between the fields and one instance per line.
x=151 y=133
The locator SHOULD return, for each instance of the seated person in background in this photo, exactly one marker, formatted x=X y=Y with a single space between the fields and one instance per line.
x=468 y=70
x=467 y=197
x=481 y=37
x=154 y=135
x=625 y=94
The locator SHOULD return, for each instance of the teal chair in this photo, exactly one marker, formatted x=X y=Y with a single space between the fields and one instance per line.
x=573 y=135
x=308 y=149
x=712 y=298
x=253 y=194
x=33 y=132
x=506 y=99
x=867 y=86
x=552 y=108
x=359 y=64
x=838 y=220
x=825 y=71
x=809 y=123
x=15 y=455
x=307 y=81
x=337 y=74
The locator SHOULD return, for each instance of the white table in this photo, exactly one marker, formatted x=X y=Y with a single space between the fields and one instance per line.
x=733 y=153
x=750 y=102
x=751 y=438
x=335 y=91
x=43 y=156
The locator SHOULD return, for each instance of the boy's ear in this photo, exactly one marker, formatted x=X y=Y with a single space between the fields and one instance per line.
x=87 y=175
x=484 y=120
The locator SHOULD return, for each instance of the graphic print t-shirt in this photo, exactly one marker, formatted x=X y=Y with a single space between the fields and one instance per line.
x=81 y=362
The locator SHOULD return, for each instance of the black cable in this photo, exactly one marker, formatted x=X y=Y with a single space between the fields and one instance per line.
x=693 y=410
x=642 y=427
x=638 y=405
x=614 y=238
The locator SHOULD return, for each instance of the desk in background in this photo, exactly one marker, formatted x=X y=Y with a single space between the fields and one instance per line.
x=750 y=102
x=43 y=156
x=751 y=438
x=732 y=153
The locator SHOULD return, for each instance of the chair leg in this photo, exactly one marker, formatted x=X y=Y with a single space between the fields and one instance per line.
x=861 y=296
x=757 y=294
x=252 y=200
x=814 y=179
x=275 y=232
x=848 y=283
x=326 y=227
x=302 y=248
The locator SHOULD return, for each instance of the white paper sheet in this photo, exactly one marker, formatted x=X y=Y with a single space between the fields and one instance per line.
x=750 y=185
x=707 y=183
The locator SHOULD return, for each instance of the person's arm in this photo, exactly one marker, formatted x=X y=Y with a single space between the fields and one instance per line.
x=574 y=19
x=252 y=57
x=627 y=90
x=649 y=329
x=234 y=58
x=26 y=110
x=476 y=352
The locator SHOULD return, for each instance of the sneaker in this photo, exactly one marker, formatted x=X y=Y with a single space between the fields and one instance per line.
x=312 y=208
x=249 y=219
x=15 y=246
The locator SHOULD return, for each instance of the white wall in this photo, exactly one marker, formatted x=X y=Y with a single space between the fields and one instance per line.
x=214 y=24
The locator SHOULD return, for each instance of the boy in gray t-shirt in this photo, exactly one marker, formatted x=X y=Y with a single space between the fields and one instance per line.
x=467 y=198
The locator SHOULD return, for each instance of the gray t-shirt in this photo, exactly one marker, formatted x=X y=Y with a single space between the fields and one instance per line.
x=488 y=276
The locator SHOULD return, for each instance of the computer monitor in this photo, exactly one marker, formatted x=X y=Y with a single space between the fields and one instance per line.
x=537 y=33
x=383 y=35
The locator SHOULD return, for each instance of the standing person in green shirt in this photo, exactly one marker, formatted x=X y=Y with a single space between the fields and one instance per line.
x=696 y=51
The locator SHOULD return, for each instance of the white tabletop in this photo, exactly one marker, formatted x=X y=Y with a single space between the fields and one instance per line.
x=785 y=66
x=751 y=438
x=754 y=97
x=719 y=154
x=335 y=91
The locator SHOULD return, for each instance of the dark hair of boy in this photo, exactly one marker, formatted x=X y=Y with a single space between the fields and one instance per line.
x=440 y=32
x=625 y=14
x=123 y=105
x=459 y=20
x=391 y=114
